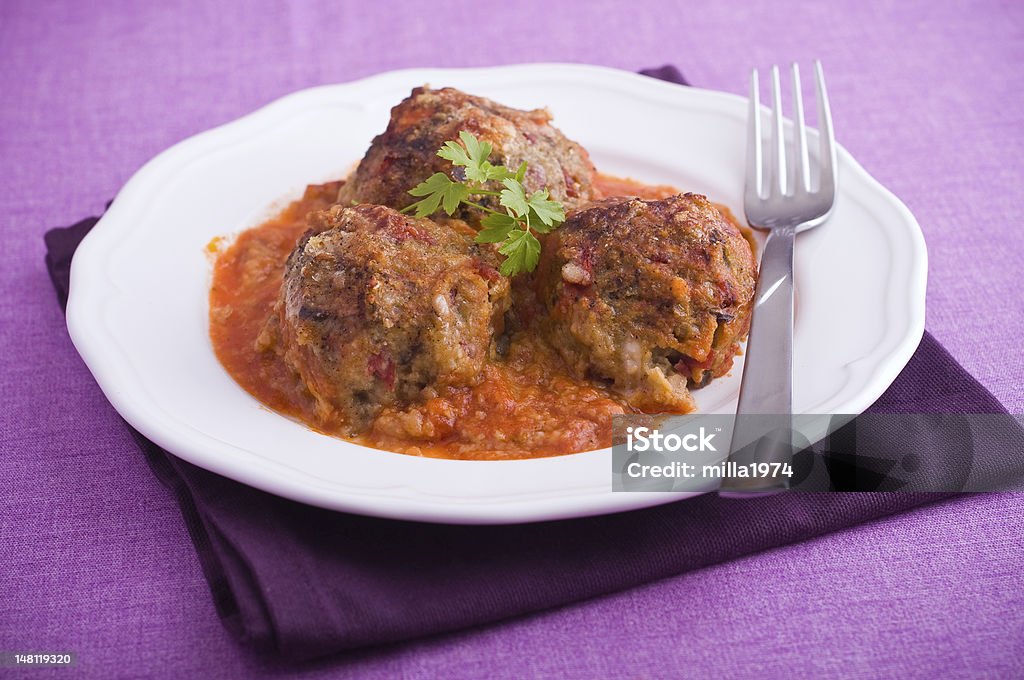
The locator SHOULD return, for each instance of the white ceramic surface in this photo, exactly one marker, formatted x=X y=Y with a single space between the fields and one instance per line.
x=138 y=307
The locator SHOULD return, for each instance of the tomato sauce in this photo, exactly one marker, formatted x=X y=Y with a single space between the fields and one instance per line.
x=527 y=405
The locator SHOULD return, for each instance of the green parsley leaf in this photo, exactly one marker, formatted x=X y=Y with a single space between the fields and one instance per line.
x=472 y=155
x=538 y=226
x=433 y=184
x=497 y=172
x=453 y=197
x=478 y=151
x=522 y=252
x=496 y=228
x=454 y=152
x=514 y=198
x=521 y=172
x=438 y=189
x=551 y=213
x=512 y=229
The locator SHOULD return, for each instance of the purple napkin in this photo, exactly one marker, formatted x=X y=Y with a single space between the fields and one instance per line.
x=302 y=582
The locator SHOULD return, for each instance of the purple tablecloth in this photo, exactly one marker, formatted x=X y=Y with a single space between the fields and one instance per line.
x=93 y=555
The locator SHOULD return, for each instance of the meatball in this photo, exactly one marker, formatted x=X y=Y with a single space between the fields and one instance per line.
x=649 y=295
x=406 y=153
x=376 y=307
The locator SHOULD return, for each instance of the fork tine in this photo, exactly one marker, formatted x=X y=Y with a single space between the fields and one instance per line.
x=827 y=184
x=801 y=177
x=778 y=149
x=755 y=160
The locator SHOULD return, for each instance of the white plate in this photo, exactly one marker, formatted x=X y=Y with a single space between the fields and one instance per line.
x=138 y=307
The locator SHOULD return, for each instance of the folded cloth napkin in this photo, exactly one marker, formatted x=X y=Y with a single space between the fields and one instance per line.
x=302 y=582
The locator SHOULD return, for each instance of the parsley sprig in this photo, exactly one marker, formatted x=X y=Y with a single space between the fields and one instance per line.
x=524 y=215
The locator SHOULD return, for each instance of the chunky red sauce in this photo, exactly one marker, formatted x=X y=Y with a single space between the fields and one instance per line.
x=527 y=405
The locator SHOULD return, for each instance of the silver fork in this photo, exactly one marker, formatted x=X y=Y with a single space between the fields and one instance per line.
x=784 y=204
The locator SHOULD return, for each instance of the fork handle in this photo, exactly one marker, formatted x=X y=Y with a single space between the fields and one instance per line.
x=762 y=431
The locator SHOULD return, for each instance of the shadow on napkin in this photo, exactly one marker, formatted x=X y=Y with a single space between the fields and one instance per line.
x=302 y=582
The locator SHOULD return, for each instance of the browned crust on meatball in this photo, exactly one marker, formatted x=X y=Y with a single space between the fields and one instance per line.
x=377 y=307
x=405 y=154
x=651 y=295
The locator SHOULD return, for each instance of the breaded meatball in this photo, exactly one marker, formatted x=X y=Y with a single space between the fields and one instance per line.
x=376 y=306
x=406 y=153
x=651 y=295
